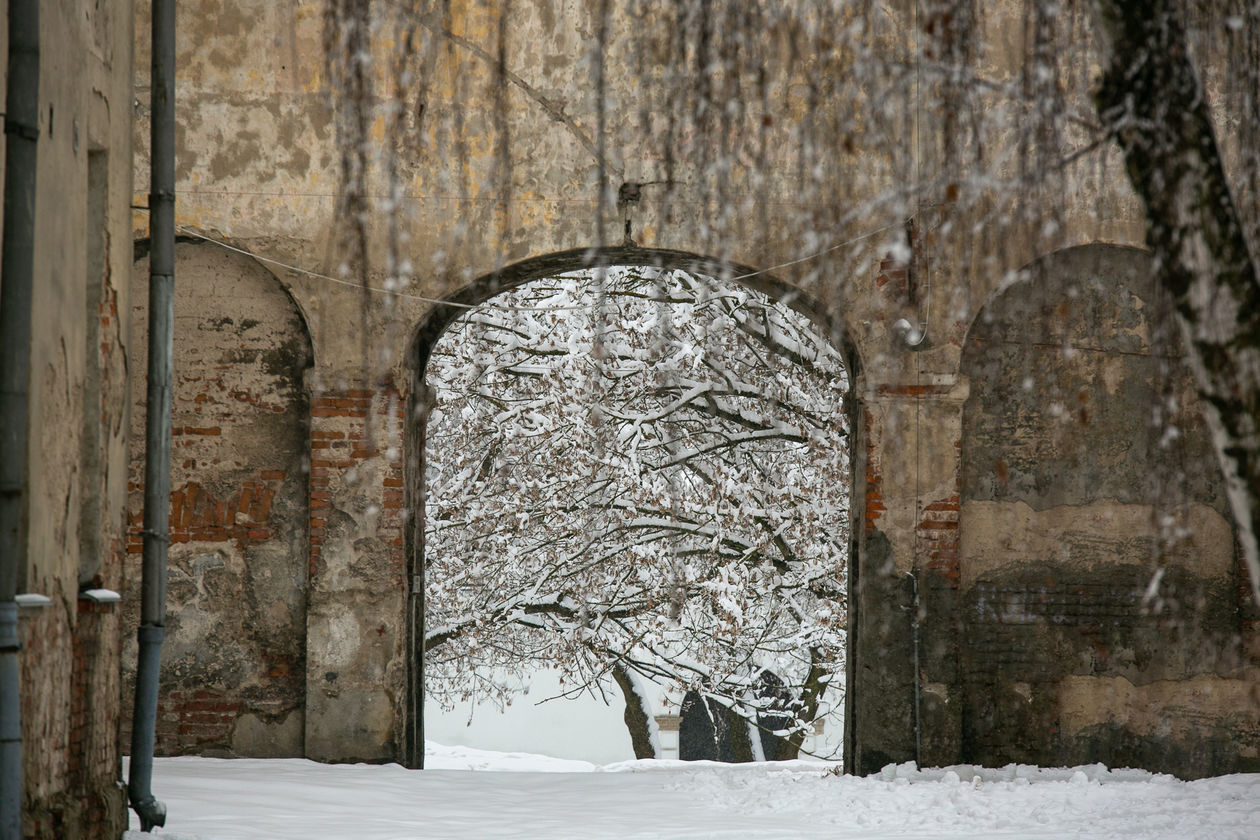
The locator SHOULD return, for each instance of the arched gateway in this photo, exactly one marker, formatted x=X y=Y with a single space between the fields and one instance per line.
x=798 y=353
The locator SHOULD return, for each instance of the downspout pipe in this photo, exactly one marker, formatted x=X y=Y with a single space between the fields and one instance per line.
x=157 y=467
x=17 y=268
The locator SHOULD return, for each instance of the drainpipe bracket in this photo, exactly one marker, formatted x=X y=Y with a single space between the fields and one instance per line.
x=26 y=132
x=150 y=634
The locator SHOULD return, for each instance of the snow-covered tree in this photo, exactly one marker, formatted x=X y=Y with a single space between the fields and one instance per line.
x=638 y=472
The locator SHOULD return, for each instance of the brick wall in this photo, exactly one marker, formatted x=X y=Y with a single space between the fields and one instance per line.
x=937 y=538
x=70 y=722
x=233 y=676
x=198 y=516
x=343 y=438
x=874 y=508
x=355 y=692
x=75 y=481
x=893 y=278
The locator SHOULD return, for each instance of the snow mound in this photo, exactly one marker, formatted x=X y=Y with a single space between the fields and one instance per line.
x=975 y=775
x=439 y=757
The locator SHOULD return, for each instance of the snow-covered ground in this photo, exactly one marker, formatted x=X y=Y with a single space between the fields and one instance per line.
x=539 y=720
x=537 y=797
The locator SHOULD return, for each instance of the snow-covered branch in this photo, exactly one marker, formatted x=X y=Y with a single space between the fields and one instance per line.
x=651 y=475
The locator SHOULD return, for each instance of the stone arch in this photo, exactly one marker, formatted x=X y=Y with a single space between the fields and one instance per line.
x=1082 y=439
x=429 y=332
x=233 y=677
x=516 y=274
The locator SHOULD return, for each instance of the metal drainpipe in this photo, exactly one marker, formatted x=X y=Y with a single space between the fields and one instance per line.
x=157 y=468
x=21 y=127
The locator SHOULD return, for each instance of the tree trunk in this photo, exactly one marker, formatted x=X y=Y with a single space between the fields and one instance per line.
x=638 y=716
x=807 y=707
x=1152 y=103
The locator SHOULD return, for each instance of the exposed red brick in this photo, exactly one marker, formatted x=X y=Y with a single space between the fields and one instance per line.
x=264 y=505
x=950 y=505
x=209 y=430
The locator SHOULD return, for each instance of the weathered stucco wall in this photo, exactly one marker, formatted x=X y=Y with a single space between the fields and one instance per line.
x=497 y=180
x=77 y=421
x=1101 y=602
x=233 y=665
x=356 y=632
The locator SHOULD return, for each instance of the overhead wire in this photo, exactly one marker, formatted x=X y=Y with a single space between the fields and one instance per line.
x=187 y=231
